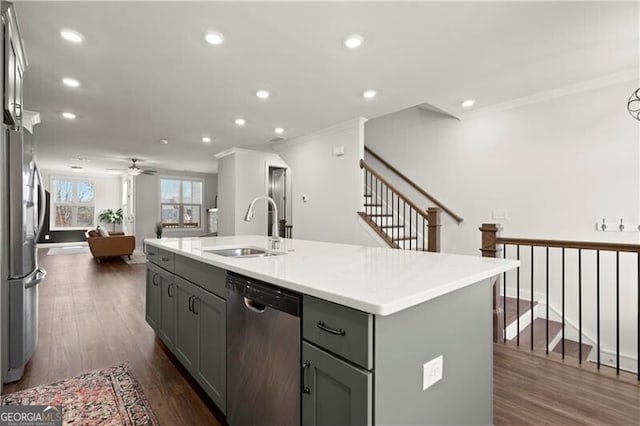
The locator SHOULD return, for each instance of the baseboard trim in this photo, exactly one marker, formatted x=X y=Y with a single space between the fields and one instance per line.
x=49 y=245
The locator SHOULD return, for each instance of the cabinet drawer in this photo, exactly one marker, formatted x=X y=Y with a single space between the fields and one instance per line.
x=152 y=253
x=166 y=259
x=341 y=330
x=206 y=276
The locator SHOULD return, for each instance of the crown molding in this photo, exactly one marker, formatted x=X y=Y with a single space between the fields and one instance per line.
x=337 y=128
x=584 y=86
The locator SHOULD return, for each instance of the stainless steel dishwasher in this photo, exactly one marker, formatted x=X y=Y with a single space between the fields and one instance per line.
x=263 y=354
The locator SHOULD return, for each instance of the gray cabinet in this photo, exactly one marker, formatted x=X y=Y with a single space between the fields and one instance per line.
x=211 y=371
x=337 y=356
x=334 y=391
x=167 y=319
x=201 y=338
x=189 y=318
x=152 y=302
x=186 y=325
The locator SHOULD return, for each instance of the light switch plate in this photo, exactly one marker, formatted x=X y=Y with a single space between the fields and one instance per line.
x=499 y=214
x=432 y=372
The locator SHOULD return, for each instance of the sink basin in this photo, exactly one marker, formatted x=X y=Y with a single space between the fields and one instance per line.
x=242 y=252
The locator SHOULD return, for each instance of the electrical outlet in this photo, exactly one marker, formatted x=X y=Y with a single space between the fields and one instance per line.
x=432 y=372
x=46 y=237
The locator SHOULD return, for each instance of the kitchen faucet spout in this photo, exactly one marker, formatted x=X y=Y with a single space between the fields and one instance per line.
x=275 y=238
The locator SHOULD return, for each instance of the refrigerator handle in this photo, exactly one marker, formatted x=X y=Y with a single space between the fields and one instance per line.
x=42 y=199
x=37 y=279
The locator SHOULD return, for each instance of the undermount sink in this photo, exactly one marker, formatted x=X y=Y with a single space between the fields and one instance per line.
x=243 y=252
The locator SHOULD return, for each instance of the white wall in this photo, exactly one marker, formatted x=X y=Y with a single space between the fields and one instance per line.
x=227 y=195
x=556 y=166
x=147 y=200
x=332 y=184
x=108 y=192
x=242 y=176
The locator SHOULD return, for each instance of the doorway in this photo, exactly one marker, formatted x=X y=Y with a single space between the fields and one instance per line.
x=277 y=191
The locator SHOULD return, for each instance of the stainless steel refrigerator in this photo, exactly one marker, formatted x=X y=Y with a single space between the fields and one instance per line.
x=23 y=219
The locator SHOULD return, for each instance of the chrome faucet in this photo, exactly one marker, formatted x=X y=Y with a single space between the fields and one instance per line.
x=275 y=238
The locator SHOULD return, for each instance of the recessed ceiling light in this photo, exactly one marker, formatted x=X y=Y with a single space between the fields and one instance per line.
x=263 y=94
x=72 y=36
x=77 y=169
x=353 y=41
x=68 y=115
x=240 y=121
x=369 y=94
x=468 y=103
x=279 y=130
x=164 y=141
x=206 y=139
x=71 y=82
x=214 y=38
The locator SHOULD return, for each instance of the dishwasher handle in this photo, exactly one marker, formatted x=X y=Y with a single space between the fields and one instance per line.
x=254 y=306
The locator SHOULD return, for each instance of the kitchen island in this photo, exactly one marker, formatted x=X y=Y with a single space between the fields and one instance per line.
x=388 y=336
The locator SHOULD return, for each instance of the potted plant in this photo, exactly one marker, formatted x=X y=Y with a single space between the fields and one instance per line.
x=158 y=229
x=111 y=216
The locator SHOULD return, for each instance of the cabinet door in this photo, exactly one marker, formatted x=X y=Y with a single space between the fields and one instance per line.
x=211 y=371
x=334 y=392
x=167 y=323
x=152 y=302
x=186 y=341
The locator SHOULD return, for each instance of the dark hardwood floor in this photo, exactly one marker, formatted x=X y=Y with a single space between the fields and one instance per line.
x=531 y=390
x=92 y=316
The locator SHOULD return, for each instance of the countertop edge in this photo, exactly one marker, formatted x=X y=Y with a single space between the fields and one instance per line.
x=382 y=310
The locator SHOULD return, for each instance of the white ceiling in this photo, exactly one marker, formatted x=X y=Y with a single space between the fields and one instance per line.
x=147 y=73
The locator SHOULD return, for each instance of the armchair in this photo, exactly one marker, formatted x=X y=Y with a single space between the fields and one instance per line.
x=116 y=244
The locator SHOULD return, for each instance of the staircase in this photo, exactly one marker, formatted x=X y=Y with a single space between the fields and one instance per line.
x=567 y=301
x=536 y=336
x=398 y=220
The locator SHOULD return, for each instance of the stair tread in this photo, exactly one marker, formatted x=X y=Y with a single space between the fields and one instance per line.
x=372 y=205
x=379 y=215
x=367 y=195
x=539 y=333
x=404 y=238
x=391 y=226
x=511 y=306
x=571 y=349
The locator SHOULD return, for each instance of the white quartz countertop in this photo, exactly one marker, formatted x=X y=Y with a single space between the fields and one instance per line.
x=377 y=280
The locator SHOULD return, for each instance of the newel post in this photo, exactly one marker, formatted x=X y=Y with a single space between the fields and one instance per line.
x=489 y=248
x=433 y=228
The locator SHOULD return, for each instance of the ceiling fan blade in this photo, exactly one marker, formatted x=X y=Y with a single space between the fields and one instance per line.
x=149 y=172
x=117 y=170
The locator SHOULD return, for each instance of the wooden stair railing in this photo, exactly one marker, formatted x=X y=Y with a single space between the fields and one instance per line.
x=284 y=230
x=584 y=257
x=415 y=186
x=400 y=222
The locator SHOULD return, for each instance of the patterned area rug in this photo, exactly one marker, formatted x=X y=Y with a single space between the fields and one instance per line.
x=111 y=396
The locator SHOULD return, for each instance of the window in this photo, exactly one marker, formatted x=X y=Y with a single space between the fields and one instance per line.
x=72 y=203
x=180 y=203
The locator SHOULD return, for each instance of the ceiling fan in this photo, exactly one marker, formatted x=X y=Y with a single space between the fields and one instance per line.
x=134 y=170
